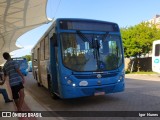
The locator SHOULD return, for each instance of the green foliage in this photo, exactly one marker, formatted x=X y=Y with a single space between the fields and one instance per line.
x=28 y=57
x=137 y=40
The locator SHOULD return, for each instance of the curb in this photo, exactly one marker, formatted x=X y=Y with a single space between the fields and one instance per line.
x=33 y=105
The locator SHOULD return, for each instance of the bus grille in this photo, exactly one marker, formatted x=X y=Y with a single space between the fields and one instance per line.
x=94 y=76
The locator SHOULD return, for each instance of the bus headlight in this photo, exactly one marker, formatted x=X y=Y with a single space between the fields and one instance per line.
x=74 y=85
x=69 y=81
x=120 y=78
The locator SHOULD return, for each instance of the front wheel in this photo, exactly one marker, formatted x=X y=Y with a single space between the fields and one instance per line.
x=53 y=95
x=36 y=77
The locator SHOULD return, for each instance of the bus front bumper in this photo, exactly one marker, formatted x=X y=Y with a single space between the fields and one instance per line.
x=74 y=92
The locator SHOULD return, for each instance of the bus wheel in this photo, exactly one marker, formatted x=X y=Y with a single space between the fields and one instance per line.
x=39 y=85
x=53 y=95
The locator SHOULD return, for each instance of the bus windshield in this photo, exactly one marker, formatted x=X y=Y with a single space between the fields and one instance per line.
x=91 y=52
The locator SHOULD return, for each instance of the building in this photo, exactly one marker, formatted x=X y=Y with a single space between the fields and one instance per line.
x=155 y=20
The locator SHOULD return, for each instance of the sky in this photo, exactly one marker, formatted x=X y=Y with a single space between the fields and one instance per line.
x=123 y=12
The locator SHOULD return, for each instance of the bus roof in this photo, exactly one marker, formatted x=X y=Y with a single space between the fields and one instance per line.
x=70 y=19
x=82 y=19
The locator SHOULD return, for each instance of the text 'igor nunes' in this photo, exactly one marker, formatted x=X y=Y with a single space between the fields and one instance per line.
x=148 y=115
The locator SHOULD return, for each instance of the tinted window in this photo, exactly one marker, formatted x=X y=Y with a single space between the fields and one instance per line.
x=157 y=50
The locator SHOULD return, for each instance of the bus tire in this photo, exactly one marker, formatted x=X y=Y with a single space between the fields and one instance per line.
x=39 y=85
x=53 y=95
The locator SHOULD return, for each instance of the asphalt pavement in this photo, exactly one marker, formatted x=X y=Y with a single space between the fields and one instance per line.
x=32 y=105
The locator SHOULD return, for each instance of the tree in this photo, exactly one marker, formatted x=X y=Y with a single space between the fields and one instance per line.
x=138 y=39
x=28 y=57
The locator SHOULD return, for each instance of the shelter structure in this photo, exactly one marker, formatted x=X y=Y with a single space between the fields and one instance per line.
x=18 y=17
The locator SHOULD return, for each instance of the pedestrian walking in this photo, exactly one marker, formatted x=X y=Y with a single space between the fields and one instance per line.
x=16 y=80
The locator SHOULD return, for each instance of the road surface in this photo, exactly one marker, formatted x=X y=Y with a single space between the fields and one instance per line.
x=142 y=93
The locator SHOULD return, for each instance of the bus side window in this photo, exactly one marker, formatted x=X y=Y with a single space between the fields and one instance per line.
x=157 y=50
x=54 y=37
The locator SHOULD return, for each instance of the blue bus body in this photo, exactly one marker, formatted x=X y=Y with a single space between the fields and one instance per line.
x=85 y=58
x=23 y=65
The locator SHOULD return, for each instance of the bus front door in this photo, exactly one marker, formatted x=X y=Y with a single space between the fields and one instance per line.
x=38 y=70
x=53 y=66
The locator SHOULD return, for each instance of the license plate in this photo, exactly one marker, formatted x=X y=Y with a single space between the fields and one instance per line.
x=99 y=93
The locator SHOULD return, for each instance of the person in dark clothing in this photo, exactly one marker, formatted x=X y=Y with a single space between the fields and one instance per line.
x=16 y=80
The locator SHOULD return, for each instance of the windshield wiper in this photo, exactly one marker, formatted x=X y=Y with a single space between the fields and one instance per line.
x=83 y=37
x=95 y=45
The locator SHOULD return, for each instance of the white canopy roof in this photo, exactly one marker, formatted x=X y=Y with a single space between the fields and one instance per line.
x=18 y=17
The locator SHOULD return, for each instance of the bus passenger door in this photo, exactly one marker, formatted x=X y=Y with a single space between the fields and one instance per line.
x=38 y=70
x=53 y=64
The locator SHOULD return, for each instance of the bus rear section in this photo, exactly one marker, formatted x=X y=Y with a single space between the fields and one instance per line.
x=23 y=65
x=156 y=56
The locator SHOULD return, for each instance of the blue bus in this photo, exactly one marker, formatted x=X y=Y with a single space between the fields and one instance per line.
x=23 y=65
x=79 y=57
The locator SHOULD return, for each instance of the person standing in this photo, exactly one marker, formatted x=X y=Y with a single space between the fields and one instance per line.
x=16 y=80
